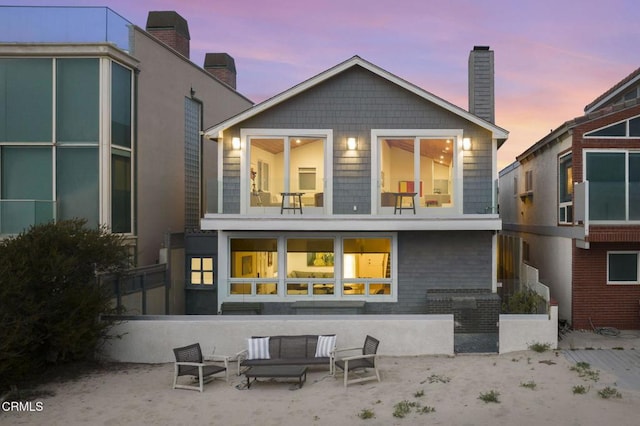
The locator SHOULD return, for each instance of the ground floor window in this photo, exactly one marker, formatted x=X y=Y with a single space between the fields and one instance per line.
x=201 y=271
x=622 y=267
x=253 y=266
x=322 y=267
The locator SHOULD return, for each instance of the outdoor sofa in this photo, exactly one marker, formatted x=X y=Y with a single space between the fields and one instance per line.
x=289 y=350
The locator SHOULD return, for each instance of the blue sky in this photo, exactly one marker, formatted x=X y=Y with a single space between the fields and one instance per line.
x=552 y=57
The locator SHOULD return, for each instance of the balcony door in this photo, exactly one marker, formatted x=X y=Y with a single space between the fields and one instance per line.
x=420 y=165
x=280 y=165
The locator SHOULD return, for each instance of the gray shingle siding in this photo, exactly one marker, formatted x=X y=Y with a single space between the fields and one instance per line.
x=351 y=104
x=431 y=261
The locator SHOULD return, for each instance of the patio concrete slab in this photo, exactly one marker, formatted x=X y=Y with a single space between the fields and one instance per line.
x=618 y=355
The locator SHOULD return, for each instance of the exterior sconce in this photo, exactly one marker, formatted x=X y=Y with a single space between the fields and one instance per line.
x=352 y=144
x=235 y=143
x=466 y=144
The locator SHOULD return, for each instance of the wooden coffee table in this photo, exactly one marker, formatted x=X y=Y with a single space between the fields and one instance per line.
x=276 y=372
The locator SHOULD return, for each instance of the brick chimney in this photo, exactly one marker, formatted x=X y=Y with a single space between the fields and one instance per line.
x=171 y=29
x=221 y=66
x=481 y=84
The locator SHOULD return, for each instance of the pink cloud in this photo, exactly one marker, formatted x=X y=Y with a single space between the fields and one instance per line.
x=552 y=58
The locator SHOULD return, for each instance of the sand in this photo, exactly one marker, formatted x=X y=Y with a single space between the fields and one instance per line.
x=142 y=395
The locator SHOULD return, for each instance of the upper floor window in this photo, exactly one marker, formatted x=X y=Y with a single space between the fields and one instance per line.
x=528 y=181
x=565 y=189
x=51 y=164
x=422 y=165
x=626 y=128
x=287 y=164
x=26 y=100
x=614 y=185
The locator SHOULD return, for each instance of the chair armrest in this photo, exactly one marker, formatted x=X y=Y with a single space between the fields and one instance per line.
x=337 y=351
x=347 y=349
x=349 y=358
x=191 y=364
x=219 y=358
x=241 y=356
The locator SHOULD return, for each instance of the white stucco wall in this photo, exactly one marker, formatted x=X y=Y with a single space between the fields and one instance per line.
x=552 y=257
x=164 y=81
x=518 y=332
x=152 y=340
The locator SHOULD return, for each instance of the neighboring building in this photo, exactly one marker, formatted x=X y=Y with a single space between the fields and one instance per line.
x=346 y=142
x=102 y=120
x=573 y=198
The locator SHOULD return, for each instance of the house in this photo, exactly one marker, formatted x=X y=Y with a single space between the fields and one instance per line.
x=355 y=191
x=572 y=199
x=102 y=120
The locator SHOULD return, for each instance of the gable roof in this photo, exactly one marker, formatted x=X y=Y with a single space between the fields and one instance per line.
x=619 y=87
x=498 y=132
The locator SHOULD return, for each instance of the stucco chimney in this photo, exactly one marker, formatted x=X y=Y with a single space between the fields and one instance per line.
x=481 y=83
x=171 y=29
x=221 y=66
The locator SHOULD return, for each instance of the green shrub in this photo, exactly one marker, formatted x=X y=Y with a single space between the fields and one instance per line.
x=540 y=347
x=402 y=408
x=580 y=390
x=525 y=301
x=366 y=414
x=50 y=301
x=491 y=396
x=609 y=392
x=529 y=385
x=584 y=370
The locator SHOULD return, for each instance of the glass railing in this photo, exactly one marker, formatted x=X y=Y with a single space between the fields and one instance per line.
x=18 y=215
x=59 y=24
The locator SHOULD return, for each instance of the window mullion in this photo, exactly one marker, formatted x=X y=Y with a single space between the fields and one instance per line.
x=626 y=186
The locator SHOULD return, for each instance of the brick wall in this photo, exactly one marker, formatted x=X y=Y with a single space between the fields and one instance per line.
x=607 y=305
x=172 y=39
x=580 y=143
x=474 y=311
x=599 y=233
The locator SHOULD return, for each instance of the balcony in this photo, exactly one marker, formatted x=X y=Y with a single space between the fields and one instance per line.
x=59 y=24
x=18 y=215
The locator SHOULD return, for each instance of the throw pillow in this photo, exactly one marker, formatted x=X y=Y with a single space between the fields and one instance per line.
x=326 y=344
x=258 y=348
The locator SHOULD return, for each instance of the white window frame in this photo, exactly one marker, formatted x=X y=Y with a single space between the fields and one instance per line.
x=202 y=271
x=286 y=134
x=224 y=269
x=457 y=163
x=528 y=181
x=637 y=281
x=590 y=134
x=564 y=205
x=626 y=153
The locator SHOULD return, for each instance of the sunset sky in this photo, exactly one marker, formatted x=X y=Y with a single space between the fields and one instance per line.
x=552 y=57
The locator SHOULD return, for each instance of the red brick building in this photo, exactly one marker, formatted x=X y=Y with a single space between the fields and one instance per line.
x=573 y=198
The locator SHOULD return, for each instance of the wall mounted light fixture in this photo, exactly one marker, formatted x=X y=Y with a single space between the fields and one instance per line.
x=352 y=144
x=235 y=143
x=466 y=144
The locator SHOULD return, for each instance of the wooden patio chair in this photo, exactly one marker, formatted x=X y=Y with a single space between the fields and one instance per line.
x=189 y=362
x=359 y=364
